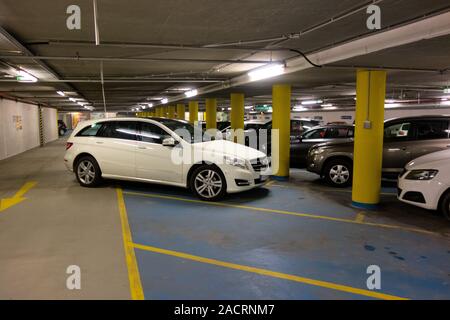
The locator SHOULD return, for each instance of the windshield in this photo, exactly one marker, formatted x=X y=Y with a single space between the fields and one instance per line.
x=184 y=129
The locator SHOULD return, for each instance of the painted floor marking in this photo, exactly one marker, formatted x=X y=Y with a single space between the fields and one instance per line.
x=136 y=290
x=275 y=211
x=270 y=273
x=18 y=197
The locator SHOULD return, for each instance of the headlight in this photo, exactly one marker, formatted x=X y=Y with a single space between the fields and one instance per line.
x=421 y=174
x=316 y=151
x=237 y=162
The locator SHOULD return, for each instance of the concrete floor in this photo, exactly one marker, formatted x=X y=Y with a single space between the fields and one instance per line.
x=59 y=224
x=294 y=240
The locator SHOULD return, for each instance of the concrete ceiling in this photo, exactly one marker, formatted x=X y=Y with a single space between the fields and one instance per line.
x=142 y=59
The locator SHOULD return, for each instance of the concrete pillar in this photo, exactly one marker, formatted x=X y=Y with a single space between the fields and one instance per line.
x=193 y=111
x=369 y=130
x=281 y=126
x=211 y=114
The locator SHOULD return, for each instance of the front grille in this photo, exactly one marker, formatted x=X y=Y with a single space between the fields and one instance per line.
x=259 y=166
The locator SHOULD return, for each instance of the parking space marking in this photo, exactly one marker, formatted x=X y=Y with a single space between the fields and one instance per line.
x=136 y=290
x=275 y=211
x=18 y=196
x=391 y=194
x=360 y=217
x=269 y=273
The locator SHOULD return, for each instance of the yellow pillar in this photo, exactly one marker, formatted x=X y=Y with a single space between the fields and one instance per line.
x=180 y=111
x=193 y=111
x=281 y=126
x=211 y=114
x=237 y=111
x=369 y=130
x=171 y=114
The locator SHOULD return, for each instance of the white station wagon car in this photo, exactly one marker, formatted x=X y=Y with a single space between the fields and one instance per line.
x=425 y=182
x=163 y=151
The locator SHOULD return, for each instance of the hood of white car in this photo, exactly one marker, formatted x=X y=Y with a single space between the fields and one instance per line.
x=224 y=147
x=431 y=161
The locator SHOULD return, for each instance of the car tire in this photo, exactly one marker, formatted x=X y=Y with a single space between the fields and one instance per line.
x=338 y=173
x=88 y=172
x=445 y=205
x=208 y=183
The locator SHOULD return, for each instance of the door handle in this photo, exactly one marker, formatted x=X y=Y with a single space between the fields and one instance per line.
x=142 y=147
x=448 y=146
x=99 y=142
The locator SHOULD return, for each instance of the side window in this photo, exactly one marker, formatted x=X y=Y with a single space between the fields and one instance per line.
x=315 y=134
x=119 y=130
x=90 y=131
x=434 y=129
x=351 y=133
x=398 y=131
x=152 y=133
x=336 y=133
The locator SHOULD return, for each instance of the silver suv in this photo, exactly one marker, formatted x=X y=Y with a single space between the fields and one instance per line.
x=404 y=140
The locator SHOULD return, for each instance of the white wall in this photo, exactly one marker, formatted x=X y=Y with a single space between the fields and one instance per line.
x=50 y=123
x=13 y=139
x=333 y=116
x=19 y=127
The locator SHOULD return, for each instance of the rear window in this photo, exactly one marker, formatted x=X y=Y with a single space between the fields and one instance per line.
x=90 y=131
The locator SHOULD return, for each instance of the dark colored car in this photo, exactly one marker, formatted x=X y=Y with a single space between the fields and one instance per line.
x=317 y=135
x=62 y=128
x=404 y=140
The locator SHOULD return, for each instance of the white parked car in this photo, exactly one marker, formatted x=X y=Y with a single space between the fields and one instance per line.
x=154 y=150
x=425 y=182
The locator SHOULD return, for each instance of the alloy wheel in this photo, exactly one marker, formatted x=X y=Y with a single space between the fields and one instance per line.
x=86 y=172
x=339 y=174
x=208 y=183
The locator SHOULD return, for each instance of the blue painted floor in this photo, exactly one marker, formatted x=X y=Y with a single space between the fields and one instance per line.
x=413 y=264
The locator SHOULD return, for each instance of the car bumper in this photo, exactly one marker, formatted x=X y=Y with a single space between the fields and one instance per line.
x=239 y=180
x=314 y=163
x=422 y=194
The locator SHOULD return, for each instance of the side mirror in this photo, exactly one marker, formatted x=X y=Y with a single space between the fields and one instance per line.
x=169 y=142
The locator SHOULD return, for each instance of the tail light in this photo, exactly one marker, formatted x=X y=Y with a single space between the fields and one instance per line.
x=68 y=145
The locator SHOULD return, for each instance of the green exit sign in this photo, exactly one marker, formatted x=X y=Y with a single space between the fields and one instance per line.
x=263 y=107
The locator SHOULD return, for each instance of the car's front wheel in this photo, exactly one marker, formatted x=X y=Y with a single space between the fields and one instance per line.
x=338 y=173
x=208 y=183
x=88 y=172
x=445 y=205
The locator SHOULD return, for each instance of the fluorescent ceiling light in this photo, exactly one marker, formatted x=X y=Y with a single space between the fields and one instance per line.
x=389 y=101
x=72 y=99
x=310 y=102
x=445 y=103
x=150 y=105
x=326 y=105
x=268 y=71
x=191 y=93
x=249 y=107
x=447 y=90
x=164 y=100
x=23 y=76
x=62 y=94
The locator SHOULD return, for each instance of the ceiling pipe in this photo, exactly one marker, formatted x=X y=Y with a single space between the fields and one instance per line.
x=123 y=80
x=96 y=31
x=77 y=58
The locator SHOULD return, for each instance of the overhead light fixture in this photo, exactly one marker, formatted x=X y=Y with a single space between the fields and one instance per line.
x=150 y=105
x=311 y=102
x=191 y=93
x=62 y=94
x=392 y=105
x=389 y=101
x=164 y=100
x=23 y=76
x=447 y=90
x=249 y=107
x=72 y=99
x=326 y=105
x=268 y=71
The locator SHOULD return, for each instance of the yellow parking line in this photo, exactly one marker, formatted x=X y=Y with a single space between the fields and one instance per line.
x=329 y=189
x=25 y=188
x=297 y=214
x=133 y=271
x=269 y=273
x=360 y=217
